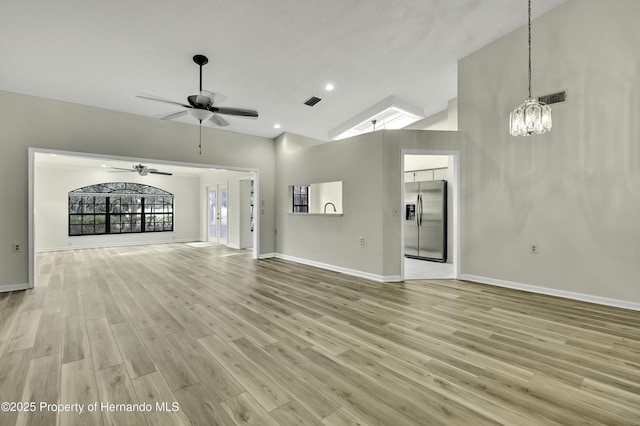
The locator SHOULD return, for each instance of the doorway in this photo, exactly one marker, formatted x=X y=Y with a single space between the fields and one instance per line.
x=75 y=169
x=218 y=219
x=439 y=260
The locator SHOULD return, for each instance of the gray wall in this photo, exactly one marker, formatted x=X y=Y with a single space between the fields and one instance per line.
x=575 y=191
x=332 y=240
x=370 y=168
x=35 y=122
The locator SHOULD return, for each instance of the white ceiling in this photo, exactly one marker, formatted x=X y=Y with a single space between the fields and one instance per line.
x=265 y=55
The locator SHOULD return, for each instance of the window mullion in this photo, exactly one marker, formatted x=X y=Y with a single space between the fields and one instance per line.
x=143 y=217
x=107 y=227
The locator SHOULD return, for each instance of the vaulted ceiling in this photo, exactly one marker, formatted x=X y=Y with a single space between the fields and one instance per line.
x=265 y=55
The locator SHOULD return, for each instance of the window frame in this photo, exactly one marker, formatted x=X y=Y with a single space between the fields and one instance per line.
x=149 y=209
x=301 y=205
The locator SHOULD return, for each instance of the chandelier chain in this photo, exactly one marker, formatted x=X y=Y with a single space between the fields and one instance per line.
x=532 y=116
x=529 y=48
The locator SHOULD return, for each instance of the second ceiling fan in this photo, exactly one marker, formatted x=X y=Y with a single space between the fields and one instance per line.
x=143 y=170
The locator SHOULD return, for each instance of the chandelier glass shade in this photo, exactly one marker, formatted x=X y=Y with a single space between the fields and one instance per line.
x=532 y=116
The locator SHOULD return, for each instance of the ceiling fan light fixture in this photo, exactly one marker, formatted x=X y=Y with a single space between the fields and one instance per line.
x=200 y=114
x=532 y=116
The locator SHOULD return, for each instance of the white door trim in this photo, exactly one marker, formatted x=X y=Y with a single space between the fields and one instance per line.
x=456 y=203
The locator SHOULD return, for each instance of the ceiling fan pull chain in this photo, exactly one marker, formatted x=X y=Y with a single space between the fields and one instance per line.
x=200 y=144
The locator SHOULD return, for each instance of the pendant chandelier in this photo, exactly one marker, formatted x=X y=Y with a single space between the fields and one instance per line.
x=532 y=116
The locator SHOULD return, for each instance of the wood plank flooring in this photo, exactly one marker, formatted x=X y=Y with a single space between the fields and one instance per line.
x=214 y=337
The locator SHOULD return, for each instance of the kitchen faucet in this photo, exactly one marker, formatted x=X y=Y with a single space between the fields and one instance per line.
x=334 y=208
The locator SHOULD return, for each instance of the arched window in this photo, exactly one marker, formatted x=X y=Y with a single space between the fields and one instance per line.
x=119 y=208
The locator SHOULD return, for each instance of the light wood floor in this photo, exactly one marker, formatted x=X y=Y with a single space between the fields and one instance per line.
x=238 y=341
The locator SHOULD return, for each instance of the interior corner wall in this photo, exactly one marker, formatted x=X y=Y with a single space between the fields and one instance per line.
x=437 y=121
x=452 y=114
x=29 y=121
x=52 y=186
x=395 y=141
x=574 y=192
x=446 y=119
x=332 y=240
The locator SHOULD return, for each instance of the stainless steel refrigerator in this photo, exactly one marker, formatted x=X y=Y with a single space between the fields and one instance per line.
x=425 y=224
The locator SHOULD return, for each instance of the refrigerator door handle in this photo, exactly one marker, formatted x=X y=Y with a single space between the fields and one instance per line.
x=419 y=210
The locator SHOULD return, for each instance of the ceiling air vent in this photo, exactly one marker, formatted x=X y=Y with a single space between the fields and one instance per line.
x=554 y=98
x=312 y=101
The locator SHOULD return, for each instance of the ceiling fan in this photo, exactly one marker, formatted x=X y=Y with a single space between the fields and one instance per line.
x=143 y=170
x=203 y=106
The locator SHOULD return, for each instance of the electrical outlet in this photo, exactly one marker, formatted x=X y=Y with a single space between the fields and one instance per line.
x=534 y=249
x=16 y=248
x=361 y=241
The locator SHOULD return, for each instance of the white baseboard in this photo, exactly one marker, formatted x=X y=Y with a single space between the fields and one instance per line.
x=266 y=256
x=13 y=287
x=335 y=268
x=554 y=292
x=107 y=245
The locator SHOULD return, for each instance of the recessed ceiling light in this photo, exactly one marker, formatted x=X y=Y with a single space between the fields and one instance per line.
x=103 y=165
x=53 y=155
x=276 y=126
x=328 y=87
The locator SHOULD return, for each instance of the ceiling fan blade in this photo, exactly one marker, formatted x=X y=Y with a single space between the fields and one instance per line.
x=245 y=113
x=218 y=121
x=173 y=115
x=160 y=173
x=124 y=170
x=158 y=99
x=216 y=98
